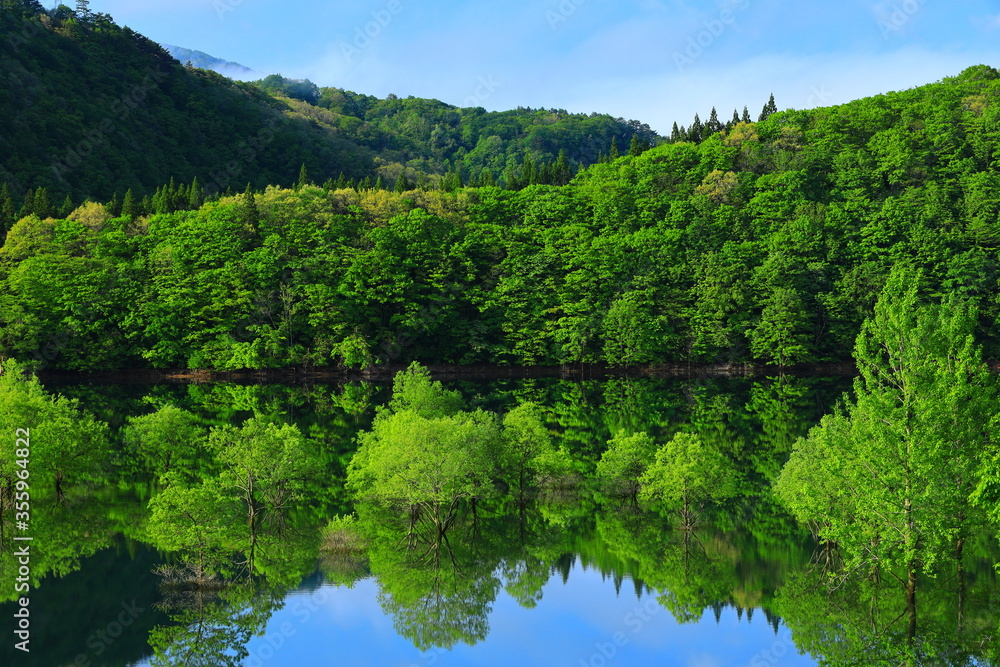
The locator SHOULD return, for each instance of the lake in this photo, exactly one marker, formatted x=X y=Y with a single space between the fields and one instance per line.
x=572 y=578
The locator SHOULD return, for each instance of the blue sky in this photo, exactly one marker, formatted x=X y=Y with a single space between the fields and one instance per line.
x=575 y=624
x=653 y=60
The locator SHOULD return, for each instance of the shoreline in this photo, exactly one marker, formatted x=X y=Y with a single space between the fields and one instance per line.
x=385 y=373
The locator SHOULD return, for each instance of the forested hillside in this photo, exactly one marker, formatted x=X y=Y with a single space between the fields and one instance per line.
x=767 y=242
x=92 y=110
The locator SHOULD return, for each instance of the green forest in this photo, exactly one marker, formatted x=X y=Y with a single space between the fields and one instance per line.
x=765 y=243
x=156 y=216
x=96 y=109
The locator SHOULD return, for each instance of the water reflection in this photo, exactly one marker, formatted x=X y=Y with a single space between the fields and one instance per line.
x=568 y=578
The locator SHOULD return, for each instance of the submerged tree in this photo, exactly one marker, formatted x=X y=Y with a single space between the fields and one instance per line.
x=888 y=478
x=623 y=463
x=424 y=454
x=687 y=474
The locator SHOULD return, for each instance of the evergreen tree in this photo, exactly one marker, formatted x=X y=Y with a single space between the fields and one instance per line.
x=634 y=148
x=379 y=185
x=563 y=173
x=249 y=216
x=528 y=172
x=422 y=182
x=486 y=179
x=695 y=131
x=42 y=208
x=736 y=117
x=768 y=109
x=66 y=208
x=614 y=154
x=303 y=178
x=196 y=196
x=28 y=206
x=114 y=207
x=675 y=133
x=341 y=182
x=329 y=185
x=713 y=125
x=350 y=184
x=402 y=185
x=129 y=208
x=365 y=184
x=746 y=115
x=6 y=211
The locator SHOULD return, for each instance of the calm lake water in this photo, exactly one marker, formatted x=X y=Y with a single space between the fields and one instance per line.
x=573 y=580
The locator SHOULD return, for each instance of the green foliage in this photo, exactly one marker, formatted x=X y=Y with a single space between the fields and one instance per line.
x=687 y=473
x=528 y=458
x=623 y=464
x=165 y=440
x=67 y=446
x=889 y=479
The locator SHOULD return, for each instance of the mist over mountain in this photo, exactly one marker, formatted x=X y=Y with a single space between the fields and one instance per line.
x=203 y=60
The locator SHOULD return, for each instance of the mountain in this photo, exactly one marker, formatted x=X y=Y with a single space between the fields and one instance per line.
x=202 y=60
x=768 y=242
x=97 y=109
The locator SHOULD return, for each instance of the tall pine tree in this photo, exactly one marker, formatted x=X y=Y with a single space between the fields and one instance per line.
x=6 y=211
x=129 y=208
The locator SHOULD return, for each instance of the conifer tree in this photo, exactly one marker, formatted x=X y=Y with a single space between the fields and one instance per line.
x=379 y=185
x=66 y=208
x=402 y=185
x=249 y=216
x=746 y=115
x=365 y=184
x=634 y=149
x=329 y=185
x=114 y=207
x=675 y=133
x=614 y=154
x=6 y=211
x=695 y=131
x=129 y=208
x=341 y=182
x=303 y=178
x=713 y=125
x=42 y=208
x=486 y=179
x=196 y=196
x=528 y=172
x=768 y=109
x=563 y=173
x=28 y=206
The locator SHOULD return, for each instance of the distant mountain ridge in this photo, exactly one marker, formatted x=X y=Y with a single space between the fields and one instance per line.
x=203 y=60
